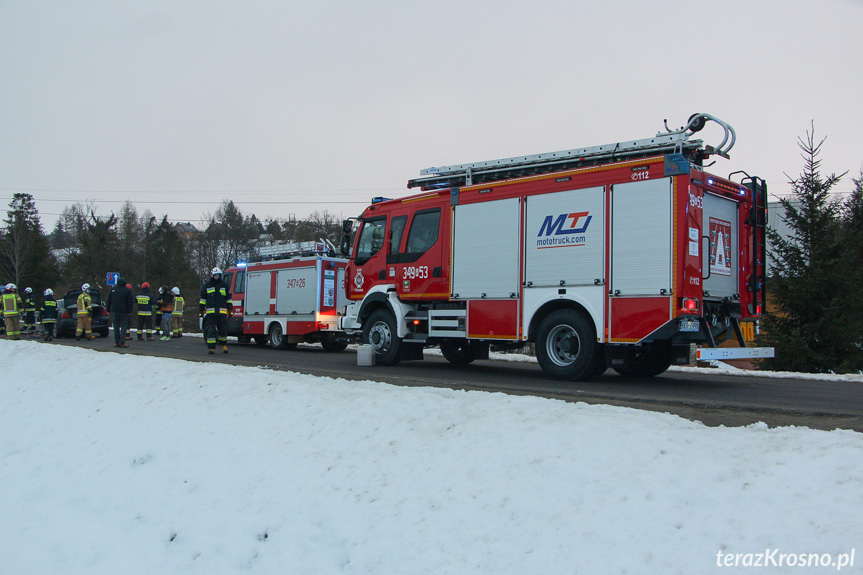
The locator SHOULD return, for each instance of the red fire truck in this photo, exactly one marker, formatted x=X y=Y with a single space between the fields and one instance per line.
x=615 y=256
x=294 y=296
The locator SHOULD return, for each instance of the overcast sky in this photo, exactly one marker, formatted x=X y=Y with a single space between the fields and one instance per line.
x=290 y=107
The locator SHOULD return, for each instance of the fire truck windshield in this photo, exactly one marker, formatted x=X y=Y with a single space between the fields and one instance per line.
x=371 y=239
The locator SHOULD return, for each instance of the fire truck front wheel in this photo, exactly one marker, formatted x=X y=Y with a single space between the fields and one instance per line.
x=566 y=346
x=379 y=330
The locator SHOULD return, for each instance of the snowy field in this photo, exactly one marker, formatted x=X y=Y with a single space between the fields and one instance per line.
x=121 y=464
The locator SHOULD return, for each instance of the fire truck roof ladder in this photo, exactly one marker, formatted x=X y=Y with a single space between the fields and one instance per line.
x=668 y=142
x=293 y=249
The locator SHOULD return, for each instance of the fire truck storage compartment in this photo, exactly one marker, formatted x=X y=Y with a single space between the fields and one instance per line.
x=297 y=291
x=720 y=260
x=340 y=289
x=641 y=231
x=257 y=301
x=485 y=249
x=565 y=238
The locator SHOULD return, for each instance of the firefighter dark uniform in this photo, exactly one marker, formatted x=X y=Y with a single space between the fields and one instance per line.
x=12 y=306
x=29 y=323
x=215 y=307
x=48 y=311
x=145 y=303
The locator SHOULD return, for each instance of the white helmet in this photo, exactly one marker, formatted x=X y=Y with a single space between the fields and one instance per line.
x=85 y=287
x=48 y=292
x=10 y=287
x=28 y=290
x=176 y=290
x=216 y=271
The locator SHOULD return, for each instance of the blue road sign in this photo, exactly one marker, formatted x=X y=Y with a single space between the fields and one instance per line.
x=112 y=278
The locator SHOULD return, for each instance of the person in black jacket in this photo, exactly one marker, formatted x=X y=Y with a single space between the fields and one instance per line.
x=166 y=305
x=216 y=306
x=119 y=305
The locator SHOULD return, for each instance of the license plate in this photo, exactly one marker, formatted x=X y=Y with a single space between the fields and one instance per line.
x=689 y=325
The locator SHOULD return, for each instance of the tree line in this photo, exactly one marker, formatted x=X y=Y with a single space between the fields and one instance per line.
x=83 y=246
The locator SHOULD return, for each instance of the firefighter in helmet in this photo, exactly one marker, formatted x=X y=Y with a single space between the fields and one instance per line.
x=12 y=306
x=145 y=301
x=29 y=323
x=177 y=314
x=85 y=306
x=215 y=308
x=49 y=315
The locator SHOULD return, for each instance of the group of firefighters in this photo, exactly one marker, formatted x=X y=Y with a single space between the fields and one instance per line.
x=15 y=308
x=170 y=305
x=215 y=307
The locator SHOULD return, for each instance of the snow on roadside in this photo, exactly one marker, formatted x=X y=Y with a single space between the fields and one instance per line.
x=721 y=368
x=117 y=463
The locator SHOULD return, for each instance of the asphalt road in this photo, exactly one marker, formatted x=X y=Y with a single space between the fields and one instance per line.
x=709 y=397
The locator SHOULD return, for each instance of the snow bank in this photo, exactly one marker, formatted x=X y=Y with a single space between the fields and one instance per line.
x=115 y=463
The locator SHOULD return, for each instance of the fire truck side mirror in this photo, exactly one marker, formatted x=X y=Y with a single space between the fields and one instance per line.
x=345 y=244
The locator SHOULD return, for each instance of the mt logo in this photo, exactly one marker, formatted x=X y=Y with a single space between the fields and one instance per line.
x=556 y=226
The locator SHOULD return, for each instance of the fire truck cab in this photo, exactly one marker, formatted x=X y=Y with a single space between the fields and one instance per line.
x=615 y=256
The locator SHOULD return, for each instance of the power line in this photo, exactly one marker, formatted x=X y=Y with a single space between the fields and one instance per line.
x=239 y=191
x=256 y=202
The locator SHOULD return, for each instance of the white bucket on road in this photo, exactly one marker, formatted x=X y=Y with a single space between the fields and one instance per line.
x=365 y=355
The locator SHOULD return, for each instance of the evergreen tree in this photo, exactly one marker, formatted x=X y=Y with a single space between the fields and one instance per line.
x=852 y=255
x=97 y=252
x=25 y=254
x=169 y=265
x=132 y=243
x=807 y=323
x=59 y=238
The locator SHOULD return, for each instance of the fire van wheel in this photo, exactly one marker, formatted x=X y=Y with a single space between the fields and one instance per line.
x=278 y=339
x=379 y=330
x=458 y=352
x=649 y=361
x=566 y=346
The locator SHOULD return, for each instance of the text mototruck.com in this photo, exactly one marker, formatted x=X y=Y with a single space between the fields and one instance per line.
x=775 y=558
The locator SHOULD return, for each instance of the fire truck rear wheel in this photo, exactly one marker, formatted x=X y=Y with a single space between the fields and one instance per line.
x=458 y=352
x=379 y=330
x=278 y=339
x=566 y=346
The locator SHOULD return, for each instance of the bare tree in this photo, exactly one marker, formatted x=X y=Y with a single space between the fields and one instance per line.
x=320 y=225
